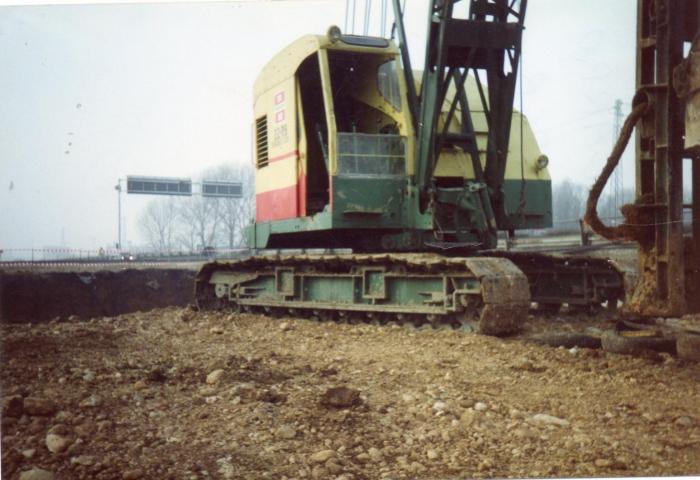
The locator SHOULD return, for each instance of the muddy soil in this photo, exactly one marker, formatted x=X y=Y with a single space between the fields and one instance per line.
x=43 y=296
x=179 y=394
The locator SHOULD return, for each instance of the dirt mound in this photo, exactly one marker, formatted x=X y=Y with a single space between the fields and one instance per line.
x=179 y=394
x=42 y=296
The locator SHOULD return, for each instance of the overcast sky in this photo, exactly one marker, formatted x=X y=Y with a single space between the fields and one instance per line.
x=92 y=93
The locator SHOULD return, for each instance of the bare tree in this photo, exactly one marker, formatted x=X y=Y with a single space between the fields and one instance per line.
x=158 y=222
x=609 y=206
x=568 y=204
x=199 y=222
x=234 y=213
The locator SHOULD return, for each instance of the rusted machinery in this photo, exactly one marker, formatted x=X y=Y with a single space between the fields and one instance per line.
x=666 y=110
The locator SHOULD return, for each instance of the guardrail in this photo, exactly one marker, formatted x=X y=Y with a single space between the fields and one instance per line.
x=77 y=258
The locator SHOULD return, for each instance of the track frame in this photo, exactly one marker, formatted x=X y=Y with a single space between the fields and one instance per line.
x=490 y=295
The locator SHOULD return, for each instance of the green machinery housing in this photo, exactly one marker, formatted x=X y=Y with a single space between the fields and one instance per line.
x=348 y=155
x=411 y=174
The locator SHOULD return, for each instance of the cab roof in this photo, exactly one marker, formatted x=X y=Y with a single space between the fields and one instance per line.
x=286 y=62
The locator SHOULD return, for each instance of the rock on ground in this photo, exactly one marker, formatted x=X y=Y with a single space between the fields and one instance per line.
x=340 y=397
x=36 y=474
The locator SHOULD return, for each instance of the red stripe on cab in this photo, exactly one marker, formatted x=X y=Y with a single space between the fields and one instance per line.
x=293 y=153
x=277 y=204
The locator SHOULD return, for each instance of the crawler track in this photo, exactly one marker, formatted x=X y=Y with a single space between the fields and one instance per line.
x=489 y=294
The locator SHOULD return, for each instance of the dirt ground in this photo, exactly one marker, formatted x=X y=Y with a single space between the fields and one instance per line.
x=179 y=394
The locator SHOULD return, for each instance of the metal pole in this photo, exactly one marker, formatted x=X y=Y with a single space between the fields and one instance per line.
x=118 y=188
x=618 y=176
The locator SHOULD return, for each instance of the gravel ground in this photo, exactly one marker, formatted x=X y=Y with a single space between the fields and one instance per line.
x=178 y=394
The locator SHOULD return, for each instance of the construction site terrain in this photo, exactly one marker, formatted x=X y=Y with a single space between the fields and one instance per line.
x=174 y=393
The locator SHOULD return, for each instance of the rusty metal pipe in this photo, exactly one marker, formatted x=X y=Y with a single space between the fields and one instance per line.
x=641 y=107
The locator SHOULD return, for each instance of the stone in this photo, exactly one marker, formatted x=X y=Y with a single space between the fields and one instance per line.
x=318 y=472
x=480 y=406
x=684 y=421
x=13 y=406
x=29 y=453
x=89 y=376
x=216 y=330
x=75 y=447
x=545 y=419
x=56 y=443
x=271 y=396
x=432 y=454
x=226 y=468
x=439 y=406
x=322 y=456
x=215 y=376
x=38 y=406
x=36 y=474
x=340 y=397
x=64 y=416
x=91 y=401
x=362 y=458
x=85 y=460
x=468 y=417
x=285 y=326
x=603 y=463
x=375 y=454
x=526 y=433
x=132 y=474
x=333 y=467
x=286 y=432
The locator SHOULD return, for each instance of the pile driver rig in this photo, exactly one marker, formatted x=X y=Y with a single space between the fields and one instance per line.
x=380 y=194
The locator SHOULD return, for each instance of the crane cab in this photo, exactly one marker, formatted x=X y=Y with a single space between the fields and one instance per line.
x=334 y=150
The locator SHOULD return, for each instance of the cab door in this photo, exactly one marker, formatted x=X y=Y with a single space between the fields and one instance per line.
x=277 y=154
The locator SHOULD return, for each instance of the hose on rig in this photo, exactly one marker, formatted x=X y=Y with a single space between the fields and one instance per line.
x=641 y=106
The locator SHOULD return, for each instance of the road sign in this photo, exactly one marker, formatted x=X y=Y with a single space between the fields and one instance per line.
x=159 y=185
x=211 y=188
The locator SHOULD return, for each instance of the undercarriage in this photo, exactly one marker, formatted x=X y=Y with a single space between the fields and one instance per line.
x=488 y=294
